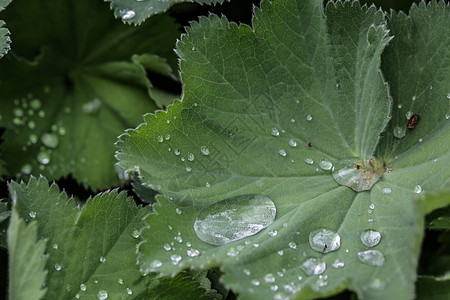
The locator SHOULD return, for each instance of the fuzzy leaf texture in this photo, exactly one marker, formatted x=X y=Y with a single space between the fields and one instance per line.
x=72 y=84
x=265 y=111
x=136 y=12
x=92 y=250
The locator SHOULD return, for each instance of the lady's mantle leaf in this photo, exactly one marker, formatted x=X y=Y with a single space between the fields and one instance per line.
x=433 y=288
x=73 y=83
x=26 y=260
x=137 y=11
x=5 y=40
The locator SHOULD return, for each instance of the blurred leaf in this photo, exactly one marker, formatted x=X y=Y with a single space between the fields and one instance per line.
x=433 y=288
x=5 y=40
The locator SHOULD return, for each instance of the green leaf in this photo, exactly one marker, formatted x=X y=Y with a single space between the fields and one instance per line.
x=265 y=113
x=136 y=12
x=440 y=218
x=433 y=288
x=26 y=260
x=75 y=84
x=5 y=40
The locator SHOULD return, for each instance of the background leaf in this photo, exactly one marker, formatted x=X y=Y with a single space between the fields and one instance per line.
x=26 y=260
x=136 y=12
x=66 y=94
x=433 y=288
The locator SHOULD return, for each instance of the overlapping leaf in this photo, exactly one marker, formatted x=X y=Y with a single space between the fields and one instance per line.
x=5 y=40
x=262 y=108
x=75 y=80
x=136 y=12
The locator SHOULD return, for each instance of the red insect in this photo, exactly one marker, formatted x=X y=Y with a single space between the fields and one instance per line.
x=413 y=120
x=309 y=144
x=358 y=166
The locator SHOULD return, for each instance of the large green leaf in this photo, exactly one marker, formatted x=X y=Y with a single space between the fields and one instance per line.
x=75 y=80
x=5 y=40
x=433 y=288
x=26 y=260
x=137 y=11
x=253 y=101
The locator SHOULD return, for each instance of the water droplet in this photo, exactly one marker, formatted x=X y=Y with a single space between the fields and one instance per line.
x=371 y=257
x=255 y=282
x=35 y=104
x=135 y=233
x=448 y=96
x=324 y=240
x=193 y=252
x=308 y=117
x=313 y=266
x=176 y=152
x=399 y=132
x=292 y=245
x=102 y=295
x=282 y=152
x=155 y=264
x=408 y=114
x=358 y=175
x=26 y=169
x=32 y=214
x=246 y=272
x=234 y=218
x=269 y=278
x=92 y=107
x=102 y=259
x=31 y=125
x=292 y=143
x=292 y=120
x=127 y=14
x=280 y=252
x=400 y=106
x=309 y=161
x=178 y=211
x=55 y=246
x=370 y=238
x=50 y=140
x=325 y=165
x=418 y=189
x=129 y=291
x=377 y=284
x=413 y=98
x=274 y=287
x=274 y=132
x=167 y=137
x=188 y=169
x=18 y=112
x=204 y=150
x=447 y=117
x=232 y=252
x=83 y=287
x=120 y=281
x=167 y=247
x=43 y=158
x=420 y=140
x=272 y=233
x=58 y=267
x=190 y=157
x=175 y=258
x=386 y=191
x=338 y=264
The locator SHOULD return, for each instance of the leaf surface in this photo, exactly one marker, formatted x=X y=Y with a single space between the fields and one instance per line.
x=265 y=112
x=26 y=260
x=74 y=84
x=5 y=40
x=136 y=12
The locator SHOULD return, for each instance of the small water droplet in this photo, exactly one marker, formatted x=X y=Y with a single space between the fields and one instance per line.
x=83 y=287
x=309 y=161
x=234 y=218
x=167 y=247
x=135 y=233
x=31 y=125
x=399 y=132
x=127 y=14
x=386 y=191
x=370 y=238
x=102 y=295
x=282 y=152
x=204 y=150
x=313 y=266
x=246 y=272
x=325 y=165
x=292 y=143
x=120 y=281
x=58 y=267
x=255 y=282
x=447 y=117
x=190 y=156
x=324 y=240
x=420 y=140
x=308 y=117
x=50 y=140
x=272 y=233
x=370 y=220
x=418 y=189
x=92 y=107
x=43 y=158
x=55 y=246
x=175 y=258
x=292 y=245
x=274 y=132
x=338 y=264
x=167 y=136
x=176 y=152
x=371 y=257
x=35 y=104
x=129 y=291
x=356 y=174
x=414 y=98
x=400 y=106
x=26 y=169
x=408 y=114
x=178 y=211
x=377 y=284
x=280 y=252
x=193 y=252
x=274 y=287
x=232 y=252
x=102 y=259
x=269 y=278
x=32 y=214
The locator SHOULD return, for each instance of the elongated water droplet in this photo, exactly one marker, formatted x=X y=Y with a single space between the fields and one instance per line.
x=386 y=191
x=324 y=240
x=399 y=132
x=102 y=295
x=325 y=165
x=155 y=264
x=193 y=252
x=371 y=257
x=313 y=266
x=274 y=132
x=309 y=161
x=50 y=140
x=127 y=14
x=356 y=174
x=338 y=264
x=370 y=238
x=234 y=218
x=92 y=107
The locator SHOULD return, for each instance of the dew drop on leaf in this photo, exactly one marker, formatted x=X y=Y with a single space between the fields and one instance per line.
x=309 y=161
x=308 y=117
x=155 y=264
x=83 y=287
x=102 y=295
x=32 y=214
x=338 y=264
x=274 y=132
x=175 y=258
x=102 y=259
x=292 y=143
x=359 y=175
x=408 y=115
x=26 y=169
x=313 y=266
x=43 y=158
x=371 y=257
x=399 y=132
x=204 y=150
x=193 y=252
x=370 y=238
x=190 y=157
x=269 y=278
x=386 y=191
x=325 y=165
x=129 y=291
x=50 y=140
x=418 y=189
x=92 y=107
x=58 y=267
x=234 y=219
x=282 y=152
x=324 y=240
x=127 y=14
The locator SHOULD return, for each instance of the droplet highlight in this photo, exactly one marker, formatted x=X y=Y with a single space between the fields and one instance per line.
x=324 y=240
x=370 y=238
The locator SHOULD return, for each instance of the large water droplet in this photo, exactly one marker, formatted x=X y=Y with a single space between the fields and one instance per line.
x=324 y=240
x=359 y=175
x=313 y=266
x=92 y=107
x=371 y=257
x=325 y=165
x=102 y=295
x=370 y=238
x=50 y=140
x=234 y=218
x=399 y=132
